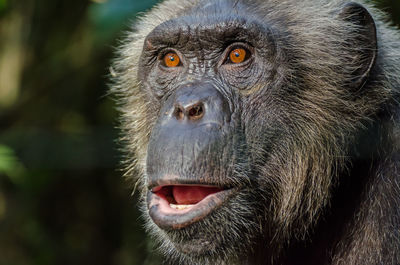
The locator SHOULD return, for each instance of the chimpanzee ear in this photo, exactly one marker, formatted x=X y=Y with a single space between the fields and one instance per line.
x=362 y=41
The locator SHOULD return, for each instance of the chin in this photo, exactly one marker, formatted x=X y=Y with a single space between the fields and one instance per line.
x=198 y=228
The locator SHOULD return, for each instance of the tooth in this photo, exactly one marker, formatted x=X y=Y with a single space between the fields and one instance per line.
x=180 y=206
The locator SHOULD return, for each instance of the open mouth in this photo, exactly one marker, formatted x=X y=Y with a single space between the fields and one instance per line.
x=177 y=206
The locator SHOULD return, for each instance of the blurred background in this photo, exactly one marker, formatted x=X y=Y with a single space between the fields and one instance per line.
x=62 y=199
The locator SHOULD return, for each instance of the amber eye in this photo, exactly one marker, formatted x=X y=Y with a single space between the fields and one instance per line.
x=171 y=60
x=237 y=55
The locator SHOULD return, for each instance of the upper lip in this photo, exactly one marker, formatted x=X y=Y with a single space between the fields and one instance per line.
x=171 y=218
x=172 y=180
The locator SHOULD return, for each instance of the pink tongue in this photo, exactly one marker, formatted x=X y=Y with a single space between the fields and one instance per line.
x=192 y=194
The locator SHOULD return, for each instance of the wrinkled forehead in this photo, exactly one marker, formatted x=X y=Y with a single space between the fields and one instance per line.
x=209 y=23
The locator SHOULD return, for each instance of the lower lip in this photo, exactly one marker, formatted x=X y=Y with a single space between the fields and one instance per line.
x=169 y=218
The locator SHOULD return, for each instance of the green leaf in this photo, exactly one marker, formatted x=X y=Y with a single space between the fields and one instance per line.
x=10 y=165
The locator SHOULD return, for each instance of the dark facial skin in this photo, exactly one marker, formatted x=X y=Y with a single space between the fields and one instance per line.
x=210 y=147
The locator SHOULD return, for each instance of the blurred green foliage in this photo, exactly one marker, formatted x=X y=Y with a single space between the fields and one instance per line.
x=3 y=4
x=8 y=160
x=107 y=22
x=62 y=201
x=11 y=167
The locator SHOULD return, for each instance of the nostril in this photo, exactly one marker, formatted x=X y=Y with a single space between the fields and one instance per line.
x=179 y=113
x=192 y=112
x=196 y=111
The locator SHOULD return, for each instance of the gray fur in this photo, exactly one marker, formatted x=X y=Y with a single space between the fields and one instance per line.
x=306 y=167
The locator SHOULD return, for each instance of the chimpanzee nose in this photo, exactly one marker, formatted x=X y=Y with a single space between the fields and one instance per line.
x=199 y=103
x=194 y=119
